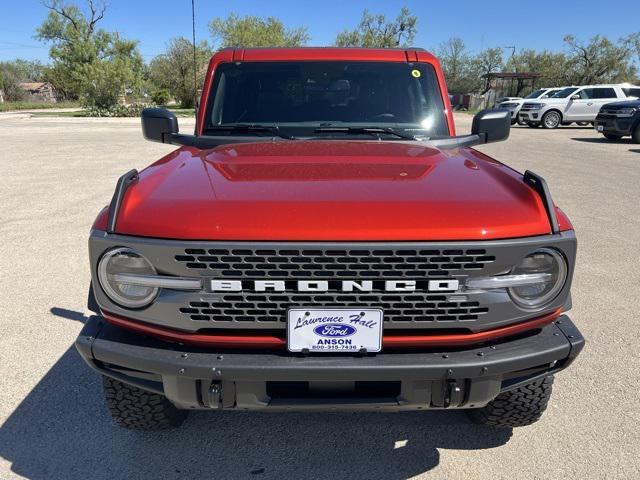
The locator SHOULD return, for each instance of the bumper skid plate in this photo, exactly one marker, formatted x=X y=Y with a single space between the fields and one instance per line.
x=197 y=378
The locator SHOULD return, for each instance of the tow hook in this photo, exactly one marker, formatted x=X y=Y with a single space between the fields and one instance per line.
x=453 y=395
x=215 y=395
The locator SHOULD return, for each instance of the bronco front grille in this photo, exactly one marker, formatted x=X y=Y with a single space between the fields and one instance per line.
x=250 y=309
x=334 y=263
x=410 y=307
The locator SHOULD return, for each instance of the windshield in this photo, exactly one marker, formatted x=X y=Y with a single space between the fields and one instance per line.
x=299 y=95
x=536 y=94
x=565 y=92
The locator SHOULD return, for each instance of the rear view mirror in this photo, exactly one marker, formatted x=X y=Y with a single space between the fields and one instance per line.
x=491 y=125
x=575 y=97
x=159 y=124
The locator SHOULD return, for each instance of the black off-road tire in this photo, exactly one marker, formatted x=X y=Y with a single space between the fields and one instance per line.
x=137 y=409
x=611 y=136
x=515 y=408
x=636 y=135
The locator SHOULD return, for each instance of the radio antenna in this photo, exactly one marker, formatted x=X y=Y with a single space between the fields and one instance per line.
x=195 y=69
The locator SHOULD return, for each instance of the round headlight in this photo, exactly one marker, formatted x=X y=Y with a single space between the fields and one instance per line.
x=121 y=262
x=537 y=295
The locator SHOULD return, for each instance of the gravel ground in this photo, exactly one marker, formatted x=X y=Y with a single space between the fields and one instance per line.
x=56 y=175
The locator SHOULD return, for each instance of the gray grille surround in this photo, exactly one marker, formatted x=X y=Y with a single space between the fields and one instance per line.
x=254 y=311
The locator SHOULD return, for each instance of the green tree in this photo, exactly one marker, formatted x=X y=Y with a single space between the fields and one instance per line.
x=88 y=62
x=375 y=31
x=9 y=84
x=602 y=61
x=486 y=62
x=250 y=31
x=173 y=70
x=14 y=72
x=456 y=65
x=553 y=67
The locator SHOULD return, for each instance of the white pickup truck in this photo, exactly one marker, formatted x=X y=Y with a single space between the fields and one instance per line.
x=574 y=104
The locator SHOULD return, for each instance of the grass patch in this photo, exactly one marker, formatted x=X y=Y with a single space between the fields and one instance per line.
x=469 y=112
x=80 y=113
x=118 y=112
x=13 y=106
x=184 y=112
x=181 y=112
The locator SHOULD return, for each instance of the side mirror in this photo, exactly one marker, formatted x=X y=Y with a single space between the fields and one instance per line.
x=491 y=125
x=575 y=97
x=159 y=124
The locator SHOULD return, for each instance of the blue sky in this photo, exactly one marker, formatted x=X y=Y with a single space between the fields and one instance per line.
x=479 y=24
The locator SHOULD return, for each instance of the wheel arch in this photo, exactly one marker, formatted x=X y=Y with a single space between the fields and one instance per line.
x=554 y=109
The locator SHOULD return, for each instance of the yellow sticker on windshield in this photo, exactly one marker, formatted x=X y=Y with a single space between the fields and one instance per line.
x=416 y=73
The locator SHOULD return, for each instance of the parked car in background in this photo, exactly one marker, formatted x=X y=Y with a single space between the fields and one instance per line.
x=631 y=92
x=573 y=104
x=514 y=104
x=500 y=100
x=619 y=119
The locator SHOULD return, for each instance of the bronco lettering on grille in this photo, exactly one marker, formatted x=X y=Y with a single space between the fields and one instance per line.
x=445 y=285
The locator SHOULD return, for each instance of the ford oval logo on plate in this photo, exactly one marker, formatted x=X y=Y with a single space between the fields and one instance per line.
x=335 y=330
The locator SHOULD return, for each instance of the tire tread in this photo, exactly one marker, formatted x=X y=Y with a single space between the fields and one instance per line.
x=137 y=409
x=516 y=408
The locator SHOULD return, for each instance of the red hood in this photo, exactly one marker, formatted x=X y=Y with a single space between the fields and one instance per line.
x=330 y=190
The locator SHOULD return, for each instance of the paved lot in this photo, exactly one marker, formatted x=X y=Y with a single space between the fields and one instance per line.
x=57 y=173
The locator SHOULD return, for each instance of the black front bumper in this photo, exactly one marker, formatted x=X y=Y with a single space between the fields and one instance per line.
x=622 y=126
x=197 y=378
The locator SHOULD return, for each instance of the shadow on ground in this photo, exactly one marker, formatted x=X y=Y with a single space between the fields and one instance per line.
x=602 y=140
x=62 y=430
x=563 y=127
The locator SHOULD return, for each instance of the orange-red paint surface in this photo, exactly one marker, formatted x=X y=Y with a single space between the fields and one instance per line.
x=326 y=190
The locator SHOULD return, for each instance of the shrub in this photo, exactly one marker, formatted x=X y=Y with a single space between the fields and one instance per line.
x=161 y=97
x=133 y=110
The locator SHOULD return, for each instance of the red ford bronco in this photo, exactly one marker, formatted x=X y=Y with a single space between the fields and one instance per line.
x=325 y=240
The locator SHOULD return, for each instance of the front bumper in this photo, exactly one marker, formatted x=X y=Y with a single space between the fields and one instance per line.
x=513 y=111
x=531 y=116
x=195 y=378
x=616 y=125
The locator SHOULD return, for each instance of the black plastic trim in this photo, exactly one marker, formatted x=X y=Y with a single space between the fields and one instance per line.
x=211 y=141
x=193 y=377
x=116 y=201
x=539 y=184
x=92 y=304
x=115 y=346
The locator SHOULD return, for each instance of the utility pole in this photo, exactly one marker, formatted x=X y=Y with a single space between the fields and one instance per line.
x=513 y=52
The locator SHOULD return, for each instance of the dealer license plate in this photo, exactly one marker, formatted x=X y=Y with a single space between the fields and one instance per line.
x=334 y=330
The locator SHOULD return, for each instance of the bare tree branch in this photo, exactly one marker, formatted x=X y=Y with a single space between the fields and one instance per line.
x=97 y=14
x=61 y=10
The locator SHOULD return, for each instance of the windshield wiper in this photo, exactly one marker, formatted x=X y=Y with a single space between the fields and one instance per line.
x=366 y=130
x=251 y=128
